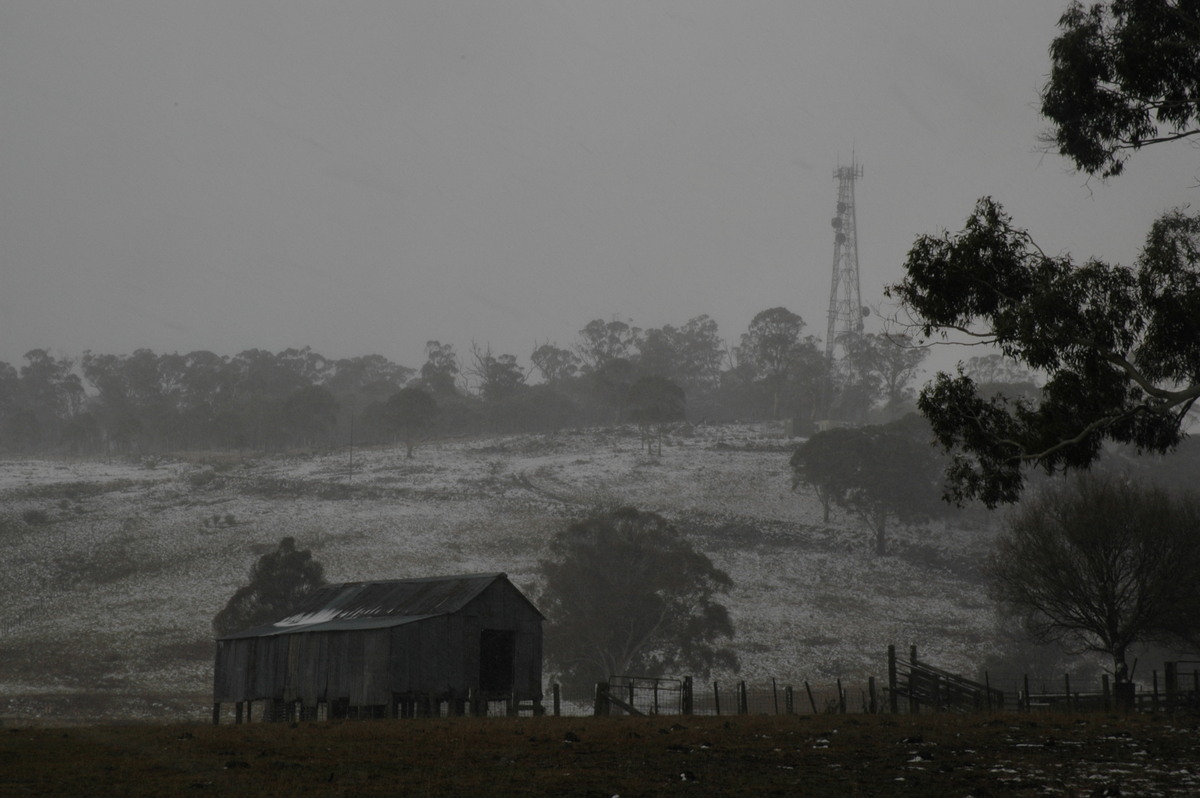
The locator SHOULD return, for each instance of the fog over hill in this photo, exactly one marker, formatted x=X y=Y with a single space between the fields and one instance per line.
x=116 y=568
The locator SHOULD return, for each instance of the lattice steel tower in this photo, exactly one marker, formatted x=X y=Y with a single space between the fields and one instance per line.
x=846 y=309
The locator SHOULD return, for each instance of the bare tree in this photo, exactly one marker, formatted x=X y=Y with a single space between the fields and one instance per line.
x=1101 y=563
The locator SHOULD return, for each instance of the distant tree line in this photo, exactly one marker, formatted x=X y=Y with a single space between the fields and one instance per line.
x=614 y=372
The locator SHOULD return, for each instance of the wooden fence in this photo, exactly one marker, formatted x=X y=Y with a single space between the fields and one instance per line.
x=912 y=686
x=644 y=695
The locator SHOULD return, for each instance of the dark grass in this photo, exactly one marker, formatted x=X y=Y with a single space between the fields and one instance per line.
x=833 y=755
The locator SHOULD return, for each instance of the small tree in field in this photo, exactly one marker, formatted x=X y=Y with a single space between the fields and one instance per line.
x=653 y=403
x=627 y=594
x=1102 y=563
x=410 y=412
x=278 y=582
x=880 y=473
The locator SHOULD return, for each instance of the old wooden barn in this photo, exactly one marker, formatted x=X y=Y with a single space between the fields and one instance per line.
x=399 y=647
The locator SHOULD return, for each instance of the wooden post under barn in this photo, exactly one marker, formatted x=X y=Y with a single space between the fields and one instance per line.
x=893 y=697
x=914 y=706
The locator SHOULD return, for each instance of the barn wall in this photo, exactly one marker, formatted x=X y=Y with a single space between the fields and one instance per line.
x=424 y=658
x=502 y=606
x=232 y=670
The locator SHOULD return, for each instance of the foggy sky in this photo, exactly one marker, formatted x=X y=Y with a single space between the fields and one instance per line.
x=362 y=177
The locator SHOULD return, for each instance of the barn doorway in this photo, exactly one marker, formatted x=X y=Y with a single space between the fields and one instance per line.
x=497 y=658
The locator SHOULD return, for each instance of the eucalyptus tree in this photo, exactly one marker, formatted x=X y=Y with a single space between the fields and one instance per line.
x=626 y=593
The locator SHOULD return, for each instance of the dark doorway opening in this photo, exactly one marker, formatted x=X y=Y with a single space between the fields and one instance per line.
x=497 y=656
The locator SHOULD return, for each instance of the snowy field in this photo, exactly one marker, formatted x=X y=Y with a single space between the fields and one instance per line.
x=114 y=569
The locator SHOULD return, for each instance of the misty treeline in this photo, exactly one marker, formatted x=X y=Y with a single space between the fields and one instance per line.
x=257 y=400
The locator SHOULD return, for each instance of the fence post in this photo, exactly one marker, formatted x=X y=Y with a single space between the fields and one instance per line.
x=893 y=698
x=1027 y=708
x=717 y=697
x=811 y=701
x=685 y=700
x=216 y=716
x=874 y=706
x=775 y=694
x=1169 y=675
x=841 y=697
x=914 y=705
x=600 y=707
x=556 y=689
x=743 y=704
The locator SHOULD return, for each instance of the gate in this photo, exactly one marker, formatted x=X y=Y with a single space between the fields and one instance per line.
x=645 y=695
x=925 y=685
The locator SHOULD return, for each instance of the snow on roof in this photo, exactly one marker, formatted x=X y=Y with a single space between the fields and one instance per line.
x=376 y=605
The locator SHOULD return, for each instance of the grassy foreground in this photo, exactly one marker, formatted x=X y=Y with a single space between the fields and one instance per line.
x=836 y=755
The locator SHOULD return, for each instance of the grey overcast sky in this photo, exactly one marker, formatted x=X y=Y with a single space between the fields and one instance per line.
x=361 y=177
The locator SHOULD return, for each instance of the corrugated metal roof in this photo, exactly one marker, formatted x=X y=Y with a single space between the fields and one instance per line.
x=376 y=605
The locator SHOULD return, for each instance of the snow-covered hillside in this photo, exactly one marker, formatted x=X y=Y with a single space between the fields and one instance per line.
x=114 y=569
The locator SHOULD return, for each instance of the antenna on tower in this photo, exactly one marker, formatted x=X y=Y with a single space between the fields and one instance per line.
x=846 y=310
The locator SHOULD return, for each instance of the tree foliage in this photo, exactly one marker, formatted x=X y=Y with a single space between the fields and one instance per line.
x=1124 y=74
x=556 y=365
x=654 y=402
x=150 y=402
x=279 y=580
x=772 y=348
x=601 y=342
x=690 y=356
x=879 y=473
x=499 y=376
x=440 y=370
x=410 y=412
x=626 y=593
x=1101 y=563
x=1119 y=346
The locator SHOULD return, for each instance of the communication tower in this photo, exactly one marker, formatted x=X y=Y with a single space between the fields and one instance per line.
x=846 y=310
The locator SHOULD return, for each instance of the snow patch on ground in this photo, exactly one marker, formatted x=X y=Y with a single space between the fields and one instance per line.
x=114 y=589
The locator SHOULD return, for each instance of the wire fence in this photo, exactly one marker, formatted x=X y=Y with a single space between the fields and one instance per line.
x=911 y=687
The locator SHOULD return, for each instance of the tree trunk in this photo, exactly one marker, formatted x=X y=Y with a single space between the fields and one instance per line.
x=1124 y=690
x=881 y=535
